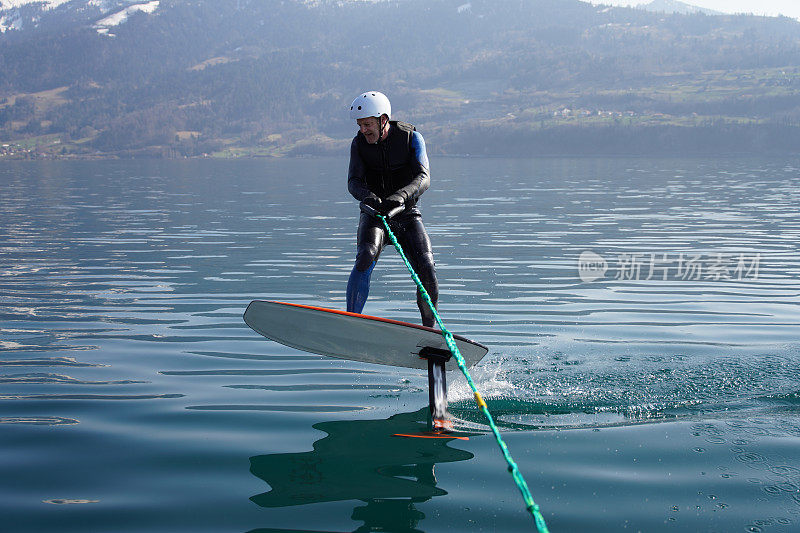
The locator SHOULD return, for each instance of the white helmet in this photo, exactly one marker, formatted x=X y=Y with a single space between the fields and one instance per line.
x=370 y=104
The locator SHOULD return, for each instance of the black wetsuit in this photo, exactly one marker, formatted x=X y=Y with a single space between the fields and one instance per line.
x=397 y=165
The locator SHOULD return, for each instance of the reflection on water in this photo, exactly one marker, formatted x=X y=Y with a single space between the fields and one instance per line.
x=362 y=460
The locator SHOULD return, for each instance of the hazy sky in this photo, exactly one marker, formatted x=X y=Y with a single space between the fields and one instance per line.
x=790 y=8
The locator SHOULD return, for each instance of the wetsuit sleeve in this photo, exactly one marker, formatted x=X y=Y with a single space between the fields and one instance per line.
x=356 y=181
x=420 y=169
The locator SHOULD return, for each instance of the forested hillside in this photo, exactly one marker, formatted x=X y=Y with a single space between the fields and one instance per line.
x=271 y=77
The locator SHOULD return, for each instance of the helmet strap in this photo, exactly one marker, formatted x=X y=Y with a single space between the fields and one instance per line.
x=381 y=127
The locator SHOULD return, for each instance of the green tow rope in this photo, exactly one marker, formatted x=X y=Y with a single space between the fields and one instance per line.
x=532 y=507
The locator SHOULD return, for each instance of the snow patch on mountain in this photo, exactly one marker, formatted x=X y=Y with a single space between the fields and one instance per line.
x=10 y=23
x=48 y=4
x=115 y=19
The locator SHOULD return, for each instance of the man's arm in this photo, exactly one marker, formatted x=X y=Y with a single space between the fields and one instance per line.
x=356 y=183
x=420 y=168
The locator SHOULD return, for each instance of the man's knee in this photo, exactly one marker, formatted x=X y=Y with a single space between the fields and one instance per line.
x=426 y=264
x=426 y=270
x=366 y=256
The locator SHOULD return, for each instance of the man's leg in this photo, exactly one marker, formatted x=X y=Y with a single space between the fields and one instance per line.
x=370 y=239
x=417 y=245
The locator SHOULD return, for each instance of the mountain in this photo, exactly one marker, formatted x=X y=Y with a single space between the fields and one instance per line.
x=674 y=6
x=272 y=77
x=65 y=15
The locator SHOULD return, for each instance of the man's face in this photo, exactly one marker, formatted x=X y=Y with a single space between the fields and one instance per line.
x=370 y=128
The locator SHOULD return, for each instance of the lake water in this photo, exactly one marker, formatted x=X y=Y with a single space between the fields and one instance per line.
x=657 y=388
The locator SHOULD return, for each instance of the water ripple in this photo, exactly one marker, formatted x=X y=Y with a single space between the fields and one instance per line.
x=279 y=408
x=144 y=269
x=38 y=420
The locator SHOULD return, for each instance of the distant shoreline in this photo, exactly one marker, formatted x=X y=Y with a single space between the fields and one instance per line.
x=714 y=139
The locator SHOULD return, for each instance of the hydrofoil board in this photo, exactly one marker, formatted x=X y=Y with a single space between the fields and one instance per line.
x=353 y=336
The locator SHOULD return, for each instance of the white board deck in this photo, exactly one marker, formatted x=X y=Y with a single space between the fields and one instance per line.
x=352 y=336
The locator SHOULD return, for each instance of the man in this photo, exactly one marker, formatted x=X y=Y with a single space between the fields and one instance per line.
x=388 y=173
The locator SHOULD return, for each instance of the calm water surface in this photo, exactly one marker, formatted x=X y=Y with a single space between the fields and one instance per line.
x=656 y=389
